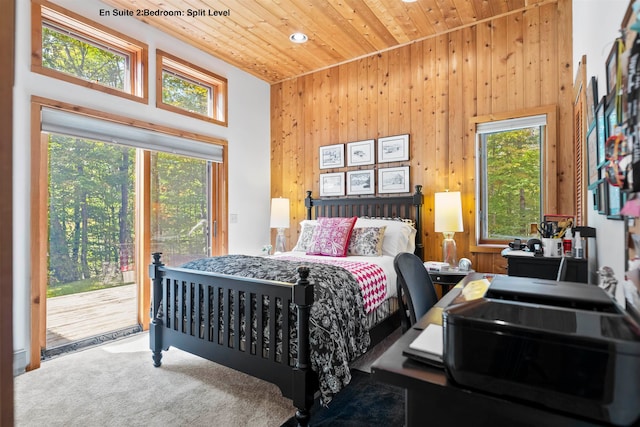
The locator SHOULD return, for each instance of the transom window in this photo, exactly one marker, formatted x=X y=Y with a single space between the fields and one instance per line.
x=510 y=171
x=191 y=90
x=69 y=47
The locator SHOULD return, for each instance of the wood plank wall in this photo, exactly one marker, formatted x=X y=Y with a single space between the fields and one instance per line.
x=430 y=89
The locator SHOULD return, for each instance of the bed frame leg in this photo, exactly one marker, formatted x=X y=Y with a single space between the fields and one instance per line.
x=155 y=328
x=303 y=393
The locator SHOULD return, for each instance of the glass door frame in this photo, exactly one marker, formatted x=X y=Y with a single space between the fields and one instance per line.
x=39 y=213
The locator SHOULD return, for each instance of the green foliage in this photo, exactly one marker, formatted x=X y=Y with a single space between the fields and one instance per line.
x=82 y=59
x=186 y=94
x=513 y=182
x=85 y=285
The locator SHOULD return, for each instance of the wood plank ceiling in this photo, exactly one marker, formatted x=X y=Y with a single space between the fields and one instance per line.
x=255 y=34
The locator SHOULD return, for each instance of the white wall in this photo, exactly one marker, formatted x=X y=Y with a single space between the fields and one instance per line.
x=248 y=136
x=596 y=25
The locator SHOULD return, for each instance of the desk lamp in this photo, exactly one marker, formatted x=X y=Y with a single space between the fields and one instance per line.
x=448 y=215
x=280 y=220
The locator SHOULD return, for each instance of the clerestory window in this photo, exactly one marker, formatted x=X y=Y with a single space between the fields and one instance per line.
x=190 y=90
x=72 y=48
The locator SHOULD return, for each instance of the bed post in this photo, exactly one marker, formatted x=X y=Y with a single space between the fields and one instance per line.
x=303 y=392
x=308 y=203
x=417 y=202
x=155 y=328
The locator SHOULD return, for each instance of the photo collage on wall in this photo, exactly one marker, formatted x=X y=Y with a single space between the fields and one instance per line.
x=366 y=156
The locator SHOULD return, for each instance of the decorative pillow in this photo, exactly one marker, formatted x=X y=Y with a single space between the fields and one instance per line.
x=305 y=236
x=398 y=237
x=366 y=241
x=331 y=236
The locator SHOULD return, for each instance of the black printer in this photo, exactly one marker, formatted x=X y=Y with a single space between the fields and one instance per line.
x=562 y=345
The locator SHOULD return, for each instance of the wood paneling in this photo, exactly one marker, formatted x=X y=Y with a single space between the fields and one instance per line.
x=431 y=89
x=255 y=35
x=7 y=61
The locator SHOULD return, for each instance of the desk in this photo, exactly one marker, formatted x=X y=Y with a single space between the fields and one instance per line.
x=431 y=399
x=546 y=268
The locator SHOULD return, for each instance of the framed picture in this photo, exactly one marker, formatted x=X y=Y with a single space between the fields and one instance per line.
x=393 y=180
x=360 y=153
x=592 y=155
x=592 y=96
x=332 y=184
x=332 y=156
x=614 y=202
x=596 y=197
x=361 y=182
x=611 y=69
x=393 y=149
x=611 y=118
x=601 y=126
x=603 y=186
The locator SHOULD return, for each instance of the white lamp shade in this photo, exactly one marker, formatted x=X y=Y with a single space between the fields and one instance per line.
x=448 y=211
x=280 y=213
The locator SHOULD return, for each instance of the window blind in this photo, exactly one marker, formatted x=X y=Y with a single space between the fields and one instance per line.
x=511 y=124
x=81 y=126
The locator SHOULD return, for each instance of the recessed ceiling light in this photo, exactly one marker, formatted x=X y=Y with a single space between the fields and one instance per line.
x=409 y=1
x=298 y=37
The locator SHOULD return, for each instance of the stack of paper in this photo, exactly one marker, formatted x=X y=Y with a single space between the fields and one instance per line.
x=429 y=340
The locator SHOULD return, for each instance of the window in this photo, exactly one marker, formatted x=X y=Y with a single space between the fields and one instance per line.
x=69 y=47
x=513 y=183
x=188 y=89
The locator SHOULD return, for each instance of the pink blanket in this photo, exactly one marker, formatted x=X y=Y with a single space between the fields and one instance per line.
x=370 y=277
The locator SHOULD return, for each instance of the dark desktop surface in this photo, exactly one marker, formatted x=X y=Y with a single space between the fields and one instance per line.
x=512 y=362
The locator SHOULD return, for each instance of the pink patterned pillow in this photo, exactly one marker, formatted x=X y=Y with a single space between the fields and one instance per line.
x=331 y=236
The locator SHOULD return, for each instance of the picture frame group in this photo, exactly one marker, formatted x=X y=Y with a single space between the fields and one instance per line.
x=365 y=153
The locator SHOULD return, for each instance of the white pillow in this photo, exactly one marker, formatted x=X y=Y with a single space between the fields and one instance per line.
x=307 y=226
x=398 y=236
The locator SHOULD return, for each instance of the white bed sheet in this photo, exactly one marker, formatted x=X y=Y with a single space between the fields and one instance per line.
x=385 y=262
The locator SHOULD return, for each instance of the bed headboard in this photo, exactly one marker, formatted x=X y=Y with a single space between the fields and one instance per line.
x=384 y=207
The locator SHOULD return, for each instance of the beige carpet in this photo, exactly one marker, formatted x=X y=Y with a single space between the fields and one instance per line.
x=116 y=385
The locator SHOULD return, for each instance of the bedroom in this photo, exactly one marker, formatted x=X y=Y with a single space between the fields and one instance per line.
x=249 y=102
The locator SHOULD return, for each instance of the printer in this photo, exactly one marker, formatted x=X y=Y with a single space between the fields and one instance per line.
x=565 y=346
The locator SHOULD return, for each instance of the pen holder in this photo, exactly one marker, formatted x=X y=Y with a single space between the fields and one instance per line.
x=551 y=248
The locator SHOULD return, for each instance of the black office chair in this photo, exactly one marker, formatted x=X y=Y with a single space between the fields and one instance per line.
x=415 y=285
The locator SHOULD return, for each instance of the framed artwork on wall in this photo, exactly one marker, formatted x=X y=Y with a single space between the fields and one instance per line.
x=601 y=127
x=592 y=155
x=592 y=96
x=331 y=156
x=360 y=153
x=611 y=69
x=393 y=180
x=393 y=148
x=603 y=195
x=614 y=201
x=361 y=182
x=332 y=184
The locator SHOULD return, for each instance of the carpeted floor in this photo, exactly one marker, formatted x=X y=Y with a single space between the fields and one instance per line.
x=115 y=384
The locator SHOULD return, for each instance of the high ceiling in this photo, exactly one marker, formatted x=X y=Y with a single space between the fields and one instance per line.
x=255 y=34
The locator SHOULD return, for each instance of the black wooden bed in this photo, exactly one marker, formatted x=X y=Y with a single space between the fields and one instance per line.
x=205 y=298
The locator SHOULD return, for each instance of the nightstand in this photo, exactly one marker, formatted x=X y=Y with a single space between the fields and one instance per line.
x=448 y=278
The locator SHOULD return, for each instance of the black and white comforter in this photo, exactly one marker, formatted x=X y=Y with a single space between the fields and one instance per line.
x=338 y=332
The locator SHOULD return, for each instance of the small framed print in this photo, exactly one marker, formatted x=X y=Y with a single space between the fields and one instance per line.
x=361 y=182
x=332 y=184
x=393 y=149
x=603 y=196
x=592 y=155
x=393 y=180
x=612 y=69
x=331 y=156
x=360 y=153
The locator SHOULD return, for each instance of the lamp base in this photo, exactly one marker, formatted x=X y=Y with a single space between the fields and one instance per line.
x=449 y=250
x=281 y=241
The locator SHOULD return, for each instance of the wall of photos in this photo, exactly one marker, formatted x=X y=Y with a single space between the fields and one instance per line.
x=363 y=159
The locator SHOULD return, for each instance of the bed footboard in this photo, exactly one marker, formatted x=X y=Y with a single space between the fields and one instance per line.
x=210 y=315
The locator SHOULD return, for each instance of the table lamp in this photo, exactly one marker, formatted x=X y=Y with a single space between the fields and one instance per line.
x=448 y=214
x=280 y=220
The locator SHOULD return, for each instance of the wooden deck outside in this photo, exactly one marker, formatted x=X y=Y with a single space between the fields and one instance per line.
x=74 y=317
